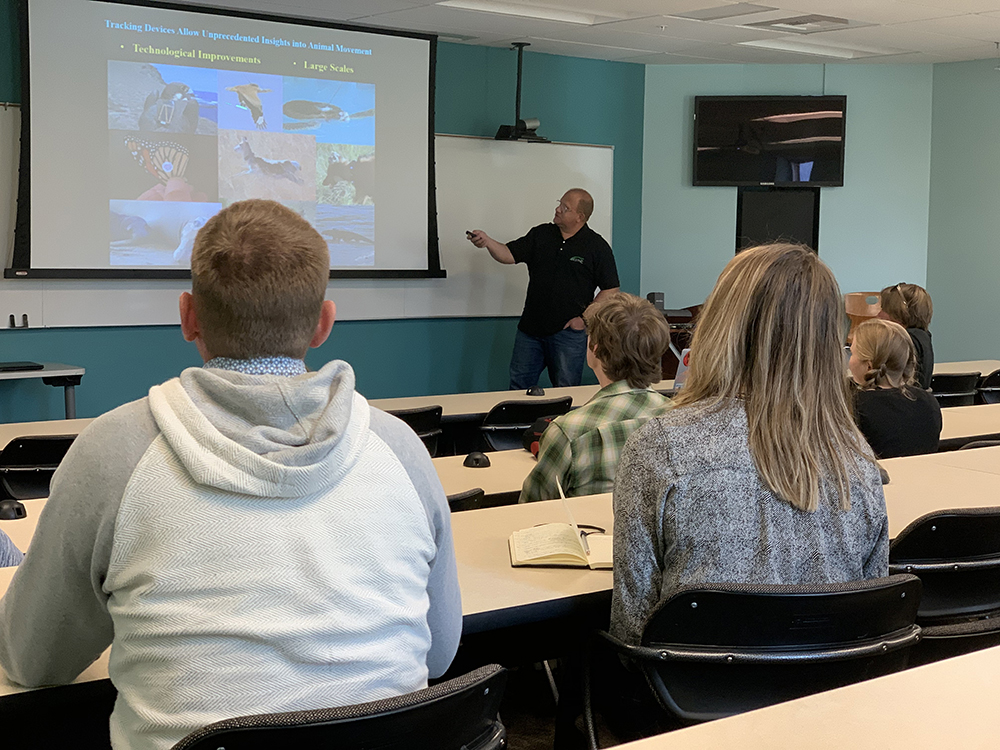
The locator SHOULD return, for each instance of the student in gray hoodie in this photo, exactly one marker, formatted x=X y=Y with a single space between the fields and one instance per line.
x=251 y=537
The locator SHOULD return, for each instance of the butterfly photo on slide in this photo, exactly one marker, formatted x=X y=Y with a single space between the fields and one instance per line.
x=163 y=159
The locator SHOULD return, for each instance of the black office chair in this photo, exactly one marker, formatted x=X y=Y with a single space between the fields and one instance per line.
x=956 y=555
x=468 y=500
x=426 y=422
x=28 y=463
x=979 y=444
x=504 y=425
x=460 y=714
x=955 y=388
x=717 y=650
x=989 y=388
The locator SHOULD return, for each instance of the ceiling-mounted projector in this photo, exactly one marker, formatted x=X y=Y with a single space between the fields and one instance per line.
x=522 y=130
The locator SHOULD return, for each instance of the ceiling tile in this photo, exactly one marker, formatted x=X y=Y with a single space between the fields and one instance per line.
x=958 y=6
x=871 y=11
x=682 y=28
x=614 y=36
x=892 y=36
x=977 y=27
x=580 y=49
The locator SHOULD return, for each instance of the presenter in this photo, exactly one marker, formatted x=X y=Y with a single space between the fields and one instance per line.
x=567 y=261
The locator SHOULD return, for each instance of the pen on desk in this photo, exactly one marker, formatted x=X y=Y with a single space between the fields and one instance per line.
x=572 y=521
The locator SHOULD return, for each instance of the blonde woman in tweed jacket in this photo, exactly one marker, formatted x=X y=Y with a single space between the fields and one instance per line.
x=759 y=474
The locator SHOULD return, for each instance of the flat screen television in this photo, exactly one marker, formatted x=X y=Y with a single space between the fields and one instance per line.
x=769 y=140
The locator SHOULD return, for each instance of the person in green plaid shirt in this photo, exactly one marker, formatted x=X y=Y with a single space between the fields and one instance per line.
x=626 y=339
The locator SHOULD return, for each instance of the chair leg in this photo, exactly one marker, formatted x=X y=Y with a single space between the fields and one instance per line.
x=593 y=742
x=552 y=682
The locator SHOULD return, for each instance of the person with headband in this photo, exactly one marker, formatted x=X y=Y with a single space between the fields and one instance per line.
x=896 y=415
x=758 y=474
x=910 y=306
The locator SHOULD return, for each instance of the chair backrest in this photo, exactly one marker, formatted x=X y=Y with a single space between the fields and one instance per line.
x=989 y=388
x=460 y=714
x=468 y=500
x=425 y=421
x=956 y=554
x=718 y=650
x=506 y=422
x=28 y=463
x=955 y=388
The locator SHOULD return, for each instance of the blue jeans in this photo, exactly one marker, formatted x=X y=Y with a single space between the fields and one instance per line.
x=563 y=353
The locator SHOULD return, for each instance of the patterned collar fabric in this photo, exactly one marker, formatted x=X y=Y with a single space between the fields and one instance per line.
x=286 y=366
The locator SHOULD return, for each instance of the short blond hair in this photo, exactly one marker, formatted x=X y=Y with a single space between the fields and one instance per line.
x=907 y=304
x=258 y=278
x=771 y=335
x=888 y=349
x=629 y=336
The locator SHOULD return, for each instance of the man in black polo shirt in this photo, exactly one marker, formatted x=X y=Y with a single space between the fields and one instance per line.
x=567 y=261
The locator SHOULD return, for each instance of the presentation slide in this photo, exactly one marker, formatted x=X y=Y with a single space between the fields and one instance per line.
x=144 y=122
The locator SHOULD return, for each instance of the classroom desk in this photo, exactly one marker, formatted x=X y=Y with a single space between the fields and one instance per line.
x=959 y=423
x=505 y=473
x=984 y=366
x=50 y=427
x=494 y=594
x=21 y=530
x=55 y=374
x=476 y=405
x=947 y=704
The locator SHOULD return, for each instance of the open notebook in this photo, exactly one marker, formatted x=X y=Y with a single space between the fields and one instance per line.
x=560 y=544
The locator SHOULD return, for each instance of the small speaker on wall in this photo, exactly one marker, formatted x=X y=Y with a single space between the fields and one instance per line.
x=768 y=214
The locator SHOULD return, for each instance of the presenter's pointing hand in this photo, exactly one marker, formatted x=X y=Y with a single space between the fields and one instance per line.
x=478 y=237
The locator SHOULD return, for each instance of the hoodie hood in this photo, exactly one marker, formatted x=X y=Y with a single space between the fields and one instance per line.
x=263 y=435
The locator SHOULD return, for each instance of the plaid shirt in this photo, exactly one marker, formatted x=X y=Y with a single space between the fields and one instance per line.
x=582 y=447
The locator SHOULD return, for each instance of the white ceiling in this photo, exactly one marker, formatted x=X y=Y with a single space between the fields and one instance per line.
x=690 y=31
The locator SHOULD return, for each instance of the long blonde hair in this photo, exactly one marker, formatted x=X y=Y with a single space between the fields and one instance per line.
x=888 y=349
x=771 y=334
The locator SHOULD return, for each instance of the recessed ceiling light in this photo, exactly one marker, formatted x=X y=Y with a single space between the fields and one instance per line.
x=820 y=50
x=805 y=24
x=530 y=11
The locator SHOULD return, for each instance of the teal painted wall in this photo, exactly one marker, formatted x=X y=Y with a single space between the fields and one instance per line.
x=873 y=231
x=475 y=94
x=963 y=262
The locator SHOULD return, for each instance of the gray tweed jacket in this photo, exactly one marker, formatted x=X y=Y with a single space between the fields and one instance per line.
x=690 y=508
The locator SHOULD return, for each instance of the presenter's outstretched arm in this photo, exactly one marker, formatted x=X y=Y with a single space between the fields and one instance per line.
x=499 y=251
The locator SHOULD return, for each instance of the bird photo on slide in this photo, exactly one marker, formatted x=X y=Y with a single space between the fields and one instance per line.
x=249 y=98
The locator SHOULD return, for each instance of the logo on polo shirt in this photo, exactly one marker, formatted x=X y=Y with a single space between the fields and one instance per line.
x=577 y=259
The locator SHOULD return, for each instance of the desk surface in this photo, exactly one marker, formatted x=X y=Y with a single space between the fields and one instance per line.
x=959 y=422
x=51 y=427
x=984 y=366
x=950 y=703
x=476 y=404
x=505 y=473
x=49 y=370
x=494 y=594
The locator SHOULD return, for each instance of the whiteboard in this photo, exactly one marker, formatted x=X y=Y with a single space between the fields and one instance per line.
x=503 y=188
